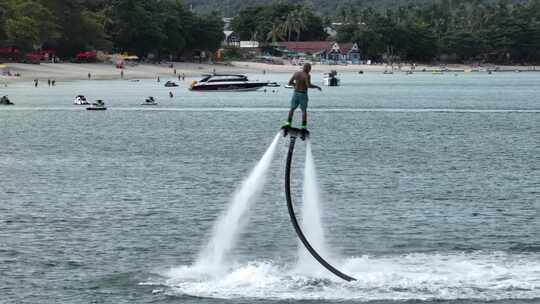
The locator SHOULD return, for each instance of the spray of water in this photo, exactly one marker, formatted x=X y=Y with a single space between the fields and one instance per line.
x=311 y=218
x=230 y=224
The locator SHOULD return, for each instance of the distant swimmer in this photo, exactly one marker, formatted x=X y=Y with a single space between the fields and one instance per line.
x=302 y=82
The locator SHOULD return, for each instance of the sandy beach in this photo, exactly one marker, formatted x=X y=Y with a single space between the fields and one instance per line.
x=103 y=71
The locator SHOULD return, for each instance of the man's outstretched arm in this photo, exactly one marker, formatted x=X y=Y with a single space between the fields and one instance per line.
x=312 y=86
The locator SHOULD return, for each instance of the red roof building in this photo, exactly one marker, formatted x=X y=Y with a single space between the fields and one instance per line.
x=331 y=52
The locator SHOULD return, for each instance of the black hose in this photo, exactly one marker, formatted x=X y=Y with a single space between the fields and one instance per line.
x=295 y=221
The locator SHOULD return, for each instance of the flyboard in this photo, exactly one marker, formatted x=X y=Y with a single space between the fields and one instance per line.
x=303 y=134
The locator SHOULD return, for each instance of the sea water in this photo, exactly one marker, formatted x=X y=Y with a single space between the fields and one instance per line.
x=429 y=192
x=229 y=225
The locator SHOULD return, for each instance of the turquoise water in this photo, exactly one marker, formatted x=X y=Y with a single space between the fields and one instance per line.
x=430 y=187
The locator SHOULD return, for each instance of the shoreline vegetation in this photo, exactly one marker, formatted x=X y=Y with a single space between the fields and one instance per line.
x=102 y=71
x=505 y=32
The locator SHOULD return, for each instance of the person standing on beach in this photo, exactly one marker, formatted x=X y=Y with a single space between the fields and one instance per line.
x=122 y=74
x=301 y=81
x=89 y=76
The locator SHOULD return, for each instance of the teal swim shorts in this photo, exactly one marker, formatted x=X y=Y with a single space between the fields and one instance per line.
x=299 y=99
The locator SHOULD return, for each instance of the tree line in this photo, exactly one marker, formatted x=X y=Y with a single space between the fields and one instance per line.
x=443 y=30
x=279 y=22
x=437 y=30
x=142 y=27
x=447 y=30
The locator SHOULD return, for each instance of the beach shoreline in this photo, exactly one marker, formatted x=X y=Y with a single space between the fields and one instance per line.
x=103 y=71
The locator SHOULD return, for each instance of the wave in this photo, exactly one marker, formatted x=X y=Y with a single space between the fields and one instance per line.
x=280 y=109
x=458 y=276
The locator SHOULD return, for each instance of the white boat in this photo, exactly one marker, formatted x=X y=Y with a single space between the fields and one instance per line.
x=331 y=79
x=150 y=101
x=226 y=82
x=80 y=100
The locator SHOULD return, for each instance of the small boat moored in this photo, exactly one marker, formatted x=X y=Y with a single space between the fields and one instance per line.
x=4 y=101
x=150 y=101
x=331 y=79
x=80 y=100
x=227 y=83
x=99 y=105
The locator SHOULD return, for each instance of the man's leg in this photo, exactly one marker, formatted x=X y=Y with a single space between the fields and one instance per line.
x=294 y=105
x=303 y=106
x=304 y=119
x=290 y=118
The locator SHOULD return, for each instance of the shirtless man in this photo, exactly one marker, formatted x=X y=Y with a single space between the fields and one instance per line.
x=302 y=82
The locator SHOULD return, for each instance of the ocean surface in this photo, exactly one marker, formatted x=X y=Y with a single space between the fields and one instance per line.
x=430 y=192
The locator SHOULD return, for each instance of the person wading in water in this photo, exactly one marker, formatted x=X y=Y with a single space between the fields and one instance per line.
x=301 y=81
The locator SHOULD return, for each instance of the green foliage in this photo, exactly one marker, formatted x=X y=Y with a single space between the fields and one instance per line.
x=278 y=22
x=29 y=24
x=3 y=18
x=160 y=27
x=208 y=30
x=231 y=53
x=422 y=30
x=447 y=30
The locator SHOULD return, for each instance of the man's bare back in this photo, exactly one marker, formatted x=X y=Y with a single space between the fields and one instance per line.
x=301 y=81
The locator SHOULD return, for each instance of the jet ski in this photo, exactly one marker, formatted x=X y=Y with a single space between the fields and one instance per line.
x=5 y=101
x=80 y=100
x=150 y=101
x=99 y=105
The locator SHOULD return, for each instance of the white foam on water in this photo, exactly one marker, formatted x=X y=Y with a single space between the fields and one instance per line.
x=229 y=225
x=474 y=276
x=311 y=222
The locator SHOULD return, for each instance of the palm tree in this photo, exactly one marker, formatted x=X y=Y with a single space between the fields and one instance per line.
x=275 y=34
x=299 y=24
x=288 y=25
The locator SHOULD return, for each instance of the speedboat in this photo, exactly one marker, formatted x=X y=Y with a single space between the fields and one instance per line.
x=150 y=101
x=80 y=100
x=99 y=105
x=226 y=82
x=170 y=84
x=331 y=79
x=4 y=101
